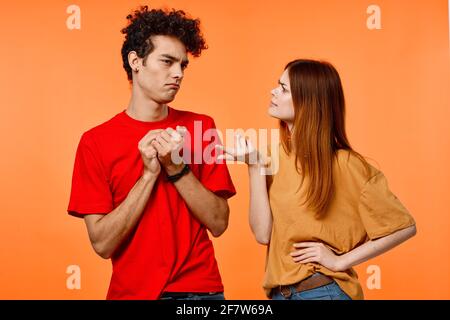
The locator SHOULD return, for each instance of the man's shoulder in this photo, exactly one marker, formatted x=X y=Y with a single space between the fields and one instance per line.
x=105 y=128
x=107 y=125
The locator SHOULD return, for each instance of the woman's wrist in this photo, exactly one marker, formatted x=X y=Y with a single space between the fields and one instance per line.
x=342 y=263
x=256 y=170
x=254 y=166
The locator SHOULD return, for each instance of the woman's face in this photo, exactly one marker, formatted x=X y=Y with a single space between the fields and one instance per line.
x=281 y=105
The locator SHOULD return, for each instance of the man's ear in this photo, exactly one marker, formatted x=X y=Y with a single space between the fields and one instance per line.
x=134 y=61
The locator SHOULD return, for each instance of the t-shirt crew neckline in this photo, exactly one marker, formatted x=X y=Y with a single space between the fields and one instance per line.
x=148 y=124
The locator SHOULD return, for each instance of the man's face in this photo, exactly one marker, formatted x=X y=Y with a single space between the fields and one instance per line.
x=160 y=78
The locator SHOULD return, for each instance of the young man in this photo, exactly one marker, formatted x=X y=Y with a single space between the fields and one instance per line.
x=142 y=209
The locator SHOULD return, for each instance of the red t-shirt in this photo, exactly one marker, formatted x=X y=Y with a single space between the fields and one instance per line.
x=170 y=249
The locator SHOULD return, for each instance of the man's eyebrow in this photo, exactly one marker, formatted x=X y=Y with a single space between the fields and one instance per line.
x=168 y=56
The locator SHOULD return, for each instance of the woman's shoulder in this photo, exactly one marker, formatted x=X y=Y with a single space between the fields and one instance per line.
x=350 y=163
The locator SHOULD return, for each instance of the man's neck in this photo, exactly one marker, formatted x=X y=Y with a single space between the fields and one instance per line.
x=144 y=109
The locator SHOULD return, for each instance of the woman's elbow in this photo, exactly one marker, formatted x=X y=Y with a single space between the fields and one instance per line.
x=262 y=233
x=264 y=240
x=413 y=231
x=407 y=233
x=261 y=236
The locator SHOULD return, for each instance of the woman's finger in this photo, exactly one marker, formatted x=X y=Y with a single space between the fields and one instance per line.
x=304 y=256
x=300 y=252
x=225 y=156
x=229 y=151
x=243 y=144
x=239 y=147
x=305 y=244
x=250 y=146
x=314 y=259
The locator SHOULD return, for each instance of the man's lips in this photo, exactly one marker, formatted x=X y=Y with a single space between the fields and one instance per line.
x=173 y=85
x=273 y=104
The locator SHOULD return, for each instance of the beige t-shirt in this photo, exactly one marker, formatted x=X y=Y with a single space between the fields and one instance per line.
x=362 y=209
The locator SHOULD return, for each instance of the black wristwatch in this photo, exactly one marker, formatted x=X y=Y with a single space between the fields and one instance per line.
x=177 y=176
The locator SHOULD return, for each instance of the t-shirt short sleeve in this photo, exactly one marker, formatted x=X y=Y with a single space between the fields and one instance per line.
x=214 y=175
x=380 y=210
x=90 y=193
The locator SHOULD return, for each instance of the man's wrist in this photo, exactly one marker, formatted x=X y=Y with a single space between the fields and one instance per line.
x=175 y=177
x=174 y=169
x=149 y=176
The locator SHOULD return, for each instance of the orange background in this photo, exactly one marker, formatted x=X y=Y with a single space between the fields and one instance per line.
x=57 y=83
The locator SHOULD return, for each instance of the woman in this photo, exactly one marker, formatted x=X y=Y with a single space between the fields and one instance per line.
x=326 y=209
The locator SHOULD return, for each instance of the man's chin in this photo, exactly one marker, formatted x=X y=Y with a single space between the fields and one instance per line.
x=166 y=100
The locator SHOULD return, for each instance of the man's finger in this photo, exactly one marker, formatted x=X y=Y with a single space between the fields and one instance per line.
x=154 y=132
x=165 y=137
x=151 y=153
x=159 y=148
x=176 y=136
x=181 y=130
x=149 y=136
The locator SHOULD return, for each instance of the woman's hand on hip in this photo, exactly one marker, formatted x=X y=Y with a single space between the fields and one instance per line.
x=305 y=252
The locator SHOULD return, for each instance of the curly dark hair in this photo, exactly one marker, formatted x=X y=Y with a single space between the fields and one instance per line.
x=144 y=23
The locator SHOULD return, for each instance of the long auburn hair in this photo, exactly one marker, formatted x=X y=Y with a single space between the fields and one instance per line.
x=318 y=128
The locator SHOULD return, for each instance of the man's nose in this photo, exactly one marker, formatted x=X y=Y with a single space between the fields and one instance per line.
x=178 y=72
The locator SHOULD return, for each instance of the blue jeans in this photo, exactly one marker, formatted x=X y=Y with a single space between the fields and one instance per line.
x=194 y=296
x=328 y=292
